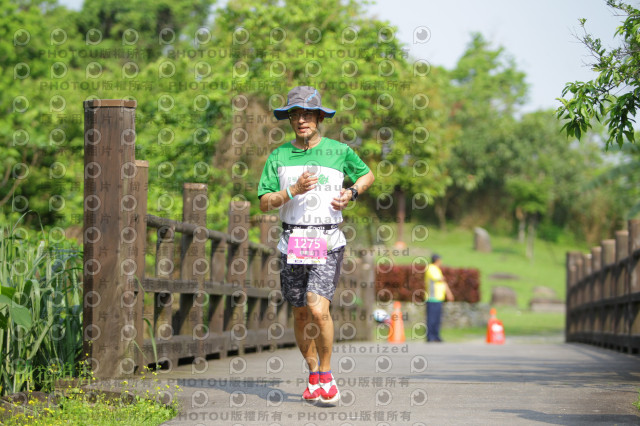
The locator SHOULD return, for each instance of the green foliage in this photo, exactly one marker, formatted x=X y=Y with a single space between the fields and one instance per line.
x=82 y=402
x=147 y=25
x=487 y=89
x=29 y=148
x=40 y=308
x=74 y=409
x=206 y=82
x=187 y=88
x=623 y=176
x=532 y=196
x=614 y=95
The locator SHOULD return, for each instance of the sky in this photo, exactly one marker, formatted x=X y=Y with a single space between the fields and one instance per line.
x=539 y=35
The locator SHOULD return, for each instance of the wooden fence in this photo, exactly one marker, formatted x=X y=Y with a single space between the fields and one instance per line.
x=205 y=293
x=603 y=293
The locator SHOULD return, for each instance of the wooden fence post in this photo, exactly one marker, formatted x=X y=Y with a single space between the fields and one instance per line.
x=215 y=314
x=586 y=322
x=163 y=301
x=368 y=288
x=586 y=272
x=622 y=251
x=634 y=246
x=570 y=320
x=279 y=314
x=578 y=276
x=608 y=260
x=237 y=270
x=109 y=263
x=269 y=236
x=139 y=189
x=596 y=266
x=256 y=305
x=194 y=266
x=620 y=274
x=633 y=286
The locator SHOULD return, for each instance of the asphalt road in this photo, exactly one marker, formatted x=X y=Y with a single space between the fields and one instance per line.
x=523 y=382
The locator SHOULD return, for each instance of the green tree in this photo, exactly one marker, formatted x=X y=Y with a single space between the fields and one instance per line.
x=390 y=109
x=217 y=79
x=486 y=90
x=30 y=148
x=614 y=95
x=623 y=178
x=144 y=24
x=531 y=197
x=54 y=59
x=549 y=181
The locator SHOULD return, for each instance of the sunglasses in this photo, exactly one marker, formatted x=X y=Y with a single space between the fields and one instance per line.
x=306 y=115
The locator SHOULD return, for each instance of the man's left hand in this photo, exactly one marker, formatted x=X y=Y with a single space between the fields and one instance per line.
x=339 y=203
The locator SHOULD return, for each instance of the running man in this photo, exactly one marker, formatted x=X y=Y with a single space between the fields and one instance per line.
x=304 y=179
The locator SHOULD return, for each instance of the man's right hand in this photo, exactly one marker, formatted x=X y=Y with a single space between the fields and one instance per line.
x=305 y=183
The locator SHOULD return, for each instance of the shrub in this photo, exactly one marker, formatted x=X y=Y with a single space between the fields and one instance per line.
x=406 y=283
x=464 y=283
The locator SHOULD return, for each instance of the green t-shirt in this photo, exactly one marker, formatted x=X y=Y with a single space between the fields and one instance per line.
x=330 y=161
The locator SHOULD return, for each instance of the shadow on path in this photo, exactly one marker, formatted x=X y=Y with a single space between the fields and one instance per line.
x=574 y=419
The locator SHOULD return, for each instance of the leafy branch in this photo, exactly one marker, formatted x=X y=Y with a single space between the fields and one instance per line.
x=613 y=96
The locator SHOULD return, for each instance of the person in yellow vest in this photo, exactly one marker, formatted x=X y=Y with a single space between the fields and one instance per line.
x=437 y=292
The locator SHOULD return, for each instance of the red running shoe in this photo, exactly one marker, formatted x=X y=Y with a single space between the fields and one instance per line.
x=329 y=389
x=313 y=390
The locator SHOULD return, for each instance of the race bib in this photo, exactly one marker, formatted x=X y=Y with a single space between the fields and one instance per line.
x=307 y=246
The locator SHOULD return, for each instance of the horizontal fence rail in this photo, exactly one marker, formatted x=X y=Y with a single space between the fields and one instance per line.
x=163 y=291
x=603 y=293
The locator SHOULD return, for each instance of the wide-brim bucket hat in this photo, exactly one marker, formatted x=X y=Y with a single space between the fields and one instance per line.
x=305 y=97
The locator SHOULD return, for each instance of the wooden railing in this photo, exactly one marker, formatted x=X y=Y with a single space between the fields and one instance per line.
x=216 y=296
x=228 y=297
x=603 y=293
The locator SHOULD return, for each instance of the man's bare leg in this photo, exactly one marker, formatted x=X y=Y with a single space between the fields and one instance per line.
x=305 y=331
x=319 y=312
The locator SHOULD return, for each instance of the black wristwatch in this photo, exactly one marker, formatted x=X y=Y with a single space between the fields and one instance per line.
x=354 y=193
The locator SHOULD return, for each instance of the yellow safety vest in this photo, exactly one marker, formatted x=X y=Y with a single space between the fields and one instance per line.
x=435 y=285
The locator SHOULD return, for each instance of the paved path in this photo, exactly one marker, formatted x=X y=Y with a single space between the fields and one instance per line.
x=519 y=383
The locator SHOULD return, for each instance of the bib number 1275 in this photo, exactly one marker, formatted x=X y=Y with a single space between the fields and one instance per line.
x=307 y=248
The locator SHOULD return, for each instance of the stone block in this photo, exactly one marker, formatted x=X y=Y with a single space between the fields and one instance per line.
x=481 y=240
x=502 y=295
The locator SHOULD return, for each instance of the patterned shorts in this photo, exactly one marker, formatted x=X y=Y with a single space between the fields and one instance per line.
x=297 y=280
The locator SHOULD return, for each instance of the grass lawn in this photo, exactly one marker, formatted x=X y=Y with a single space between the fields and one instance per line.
x=547 y=268
x=516 y=323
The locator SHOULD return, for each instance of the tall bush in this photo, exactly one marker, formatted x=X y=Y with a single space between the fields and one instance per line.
x=40 y=309
x=407 y=283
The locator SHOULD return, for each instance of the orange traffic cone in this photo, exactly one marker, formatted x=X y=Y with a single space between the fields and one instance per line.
x=396 y=329
x=495 y=329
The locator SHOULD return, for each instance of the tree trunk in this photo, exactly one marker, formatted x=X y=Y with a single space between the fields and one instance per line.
x=531 y=237
x=401 y=215
x=441 y=212
x=522 y=223
x=522 y=234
